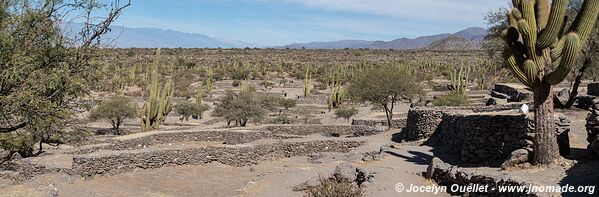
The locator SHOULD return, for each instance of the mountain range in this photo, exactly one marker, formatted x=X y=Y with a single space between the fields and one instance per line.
x=125 y=37
x=470 y=36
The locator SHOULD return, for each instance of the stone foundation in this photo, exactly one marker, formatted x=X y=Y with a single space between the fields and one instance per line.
x=447 y=175
x=94 y=164
x=512 y=94
x=396 y=123
x=327 y=130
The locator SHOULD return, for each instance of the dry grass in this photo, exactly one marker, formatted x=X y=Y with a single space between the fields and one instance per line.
x=335 y=187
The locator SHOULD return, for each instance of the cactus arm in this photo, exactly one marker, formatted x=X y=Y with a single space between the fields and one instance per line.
x=585 y=21
x=556 y=20
x=512 y=62
x=529 y=38
x=556 y=51
x=542 y=12
x=569 y=57
x=528 y=14
x=530 y=69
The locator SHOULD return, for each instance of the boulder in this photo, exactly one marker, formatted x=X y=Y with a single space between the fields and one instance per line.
x=345 y=171
x=496 y=101
x=519 y=156
x=499 y=95
x=561 y=98
x=436 y=163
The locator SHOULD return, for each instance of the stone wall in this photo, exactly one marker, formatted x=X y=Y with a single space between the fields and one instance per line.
x=396 y=123
x=447 y=175
x=327 y=130
x=422 y=123
x=94 y=164
x=512 y=94
x=227 y=137
x=593 y=89
x=592 y=127
x=483 y=138
x=480 y=138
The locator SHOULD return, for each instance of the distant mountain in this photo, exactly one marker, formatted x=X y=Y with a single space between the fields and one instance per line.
x=354 y=44
x=454 y=43
x=472 y=34
x=124 y=37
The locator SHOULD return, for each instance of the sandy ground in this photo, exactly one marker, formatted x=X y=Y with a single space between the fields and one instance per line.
x=269 y=178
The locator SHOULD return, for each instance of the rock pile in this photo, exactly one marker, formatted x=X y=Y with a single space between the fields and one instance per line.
x=344 y=172
x=448 y=175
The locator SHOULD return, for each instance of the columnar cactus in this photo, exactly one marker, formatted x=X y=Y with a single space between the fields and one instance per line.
x=459 y=79
x=308 y=82
x=337 y=94
x=160 y=101
x=541 y=52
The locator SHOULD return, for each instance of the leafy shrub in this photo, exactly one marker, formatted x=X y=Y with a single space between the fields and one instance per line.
x=115 y=111
x=187 y=109
x=240 y=107
x=335 y=187
x=287 y=103
x=282 y=119
x=346 y=112
x=453 y=99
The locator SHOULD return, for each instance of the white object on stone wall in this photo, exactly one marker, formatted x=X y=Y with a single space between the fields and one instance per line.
x=524 y=108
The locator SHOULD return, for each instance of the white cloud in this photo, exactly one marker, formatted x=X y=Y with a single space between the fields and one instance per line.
x=421 y=10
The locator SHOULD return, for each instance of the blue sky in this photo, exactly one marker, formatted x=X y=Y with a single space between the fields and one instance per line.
x=280 y=22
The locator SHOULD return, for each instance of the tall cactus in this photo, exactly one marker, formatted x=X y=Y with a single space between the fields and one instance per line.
x=160 y=101
x=337 y=95
x=459 y=79
x=308 y=82
x=540 y=53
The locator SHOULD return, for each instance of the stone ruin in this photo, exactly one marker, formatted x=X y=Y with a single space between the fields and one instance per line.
x=395 y=123
x=593 y=89
x=592 y=127
x=482 y=138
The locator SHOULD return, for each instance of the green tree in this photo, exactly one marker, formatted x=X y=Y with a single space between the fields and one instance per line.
x=43 y=72
x=541 y=52
x=240 y=108
x=287 y=103
x=346 y=112
x=187 y=109
x=384 y=86
x=115 y=111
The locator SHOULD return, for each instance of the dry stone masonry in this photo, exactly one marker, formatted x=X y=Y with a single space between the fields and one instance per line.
x=395 y=123
x=592 y=127
x=327 y=130
x=115 y=163
x=481 y=138
x=448 y=175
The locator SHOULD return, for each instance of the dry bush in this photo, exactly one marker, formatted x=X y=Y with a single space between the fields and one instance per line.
x=335 y=187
